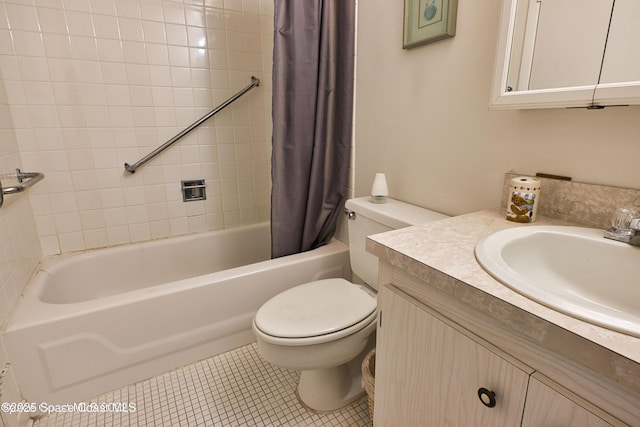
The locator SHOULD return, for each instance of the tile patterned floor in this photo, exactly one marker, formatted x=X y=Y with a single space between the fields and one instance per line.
x=236 y=388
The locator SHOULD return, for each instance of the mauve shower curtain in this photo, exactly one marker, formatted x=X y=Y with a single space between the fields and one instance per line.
x=313 y=65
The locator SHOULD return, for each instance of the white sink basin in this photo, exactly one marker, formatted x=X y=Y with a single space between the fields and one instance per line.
x=573 y=270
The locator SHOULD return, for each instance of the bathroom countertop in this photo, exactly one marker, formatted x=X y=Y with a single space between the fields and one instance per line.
x=441 y=254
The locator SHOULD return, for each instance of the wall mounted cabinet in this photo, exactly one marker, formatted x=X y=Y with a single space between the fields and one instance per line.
x=567 y=53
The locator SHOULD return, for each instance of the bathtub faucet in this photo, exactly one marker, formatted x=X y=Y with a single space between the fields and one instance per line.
x=625 y=226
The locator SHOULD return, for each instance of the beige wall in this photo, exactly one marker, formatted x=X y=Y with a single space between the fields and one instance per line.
x=422 y=117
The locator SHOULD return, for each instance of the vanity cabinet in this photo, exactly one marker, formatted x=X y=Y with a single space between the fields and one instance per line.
x=547 y=407
x=430 y=371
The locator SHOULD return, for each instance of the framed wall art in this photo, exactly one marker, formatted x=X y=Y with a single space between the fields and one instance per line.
x=426 y=21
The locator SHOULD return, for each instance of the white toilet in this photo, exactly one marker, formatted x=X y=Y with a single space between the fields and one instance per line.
x=325 y=328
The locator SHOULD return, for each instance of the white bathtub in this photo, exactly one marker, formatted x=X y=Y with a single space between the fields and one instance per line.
x=100 y=320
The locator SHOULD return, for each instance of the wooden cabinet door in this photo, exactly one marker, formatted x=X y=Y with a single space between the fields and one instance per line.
x=546 y=407
x=428 y=373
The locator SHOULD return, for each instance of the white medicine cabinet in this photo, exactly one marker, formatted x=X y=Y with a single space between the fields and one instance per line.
x=567 y=53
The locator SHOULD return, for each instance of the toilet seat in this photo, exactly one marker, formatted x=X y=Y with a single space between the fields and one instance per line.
x=322 y=310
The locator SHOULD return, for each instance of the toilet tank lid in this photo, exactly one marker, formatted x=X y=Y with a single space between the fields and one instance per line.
x=394 y=213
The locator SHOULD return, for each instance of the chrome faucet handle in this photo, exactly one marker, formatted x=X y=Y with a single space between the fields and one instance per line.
x=625 y=225
x=626 y=218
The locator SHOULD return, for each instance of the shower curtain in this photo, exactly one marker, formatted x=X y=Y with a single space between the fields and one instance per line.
x=313 y=64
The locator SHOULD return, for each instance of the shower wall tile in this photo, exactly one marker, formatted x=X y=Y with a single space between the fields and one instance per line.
x=91 y=85
x=19 y=243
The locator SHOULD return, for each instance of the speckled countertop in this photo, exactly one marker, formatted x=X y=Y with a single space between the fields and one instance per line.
x=448 y=247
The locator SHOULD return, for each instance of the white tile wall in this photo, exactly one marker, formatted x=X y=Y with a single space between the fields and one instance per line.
x=94 y=84
x=19 y=246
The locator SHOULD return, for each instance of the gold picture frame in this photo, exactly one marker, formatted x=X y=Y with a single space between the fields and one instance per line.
x=426 y=21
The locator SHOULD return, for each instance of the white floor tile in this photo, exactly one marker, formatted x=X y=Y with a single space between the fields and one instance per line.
x=236 y=388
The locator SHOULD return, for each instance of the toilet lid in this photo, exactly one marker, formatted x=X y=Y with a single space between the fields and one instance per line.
x=316 y=308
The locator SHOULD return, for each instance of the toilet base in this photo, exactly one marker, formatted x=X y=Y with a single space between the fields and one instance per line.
x=327 y=390
x=330 y=389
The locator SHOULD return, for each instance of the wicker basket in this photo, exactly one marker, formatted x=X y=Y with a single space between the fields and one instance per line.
x=368 y=378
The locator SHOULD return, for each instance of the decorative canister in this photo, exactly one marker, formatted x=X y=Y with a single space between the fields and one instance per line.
x=523 y=199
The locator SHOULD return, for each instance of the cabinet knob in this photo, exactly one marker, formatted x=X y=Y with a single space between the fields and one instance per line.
x=487 y=397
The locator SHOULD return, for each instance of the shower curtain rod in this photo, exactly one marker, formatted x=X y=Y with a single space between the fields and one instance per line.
x=132 y=168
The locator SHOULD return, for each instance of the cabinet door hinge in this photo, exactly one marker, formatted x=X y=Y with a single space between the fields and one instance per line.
x=380 y=319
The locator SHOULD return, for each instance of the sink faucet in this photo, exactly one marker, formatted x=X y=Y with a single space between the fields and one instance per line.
x=625 y=226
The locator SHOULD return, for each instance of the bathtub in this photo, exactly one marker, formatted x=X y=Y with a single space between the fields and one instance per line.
x=93 y=322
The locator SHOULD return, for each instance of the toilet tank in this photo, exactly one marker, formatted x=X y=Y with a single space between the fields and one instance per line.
x=372 y=218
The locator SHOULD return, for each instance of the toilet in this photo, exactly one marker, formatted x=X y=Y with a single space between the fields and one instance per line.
x=325 y=328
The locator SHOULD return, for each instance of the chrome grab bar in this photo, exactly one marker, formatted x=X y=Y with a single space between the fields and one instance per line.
x=132 y=168
x=25 y=180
